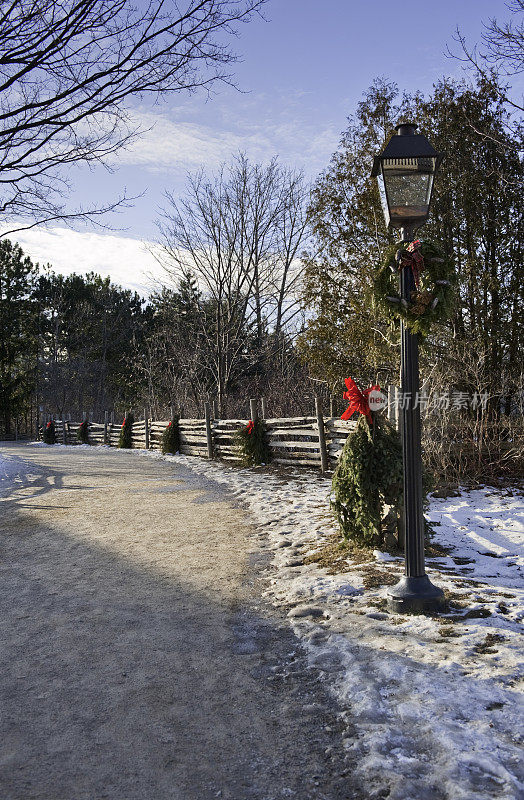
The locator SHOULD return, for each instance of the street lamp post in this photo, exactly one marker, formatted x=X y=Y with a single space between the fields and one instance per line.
x=405 y=171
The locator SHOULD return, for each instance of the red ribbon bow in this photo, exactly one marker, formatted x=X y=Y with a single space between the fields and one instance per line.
x=169 y=424
x=413 y=258
x=250 y=426
x=124 y=422
x=358 y=401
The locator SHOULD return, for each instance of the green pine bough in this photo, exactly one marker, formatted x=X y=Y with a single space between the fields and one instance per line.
x=83 y=433
x=368 y=477
x=124 y=440
x=171 y=437
x=50 y=433
x=252 y=445
x=430 y=303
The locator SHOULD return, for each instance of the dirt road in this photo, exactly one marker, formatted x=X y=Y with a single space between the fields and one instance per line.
x=137 y=661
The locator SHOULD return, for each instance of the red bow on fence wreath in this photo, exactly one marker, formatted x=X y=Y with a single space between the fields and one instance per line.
x=358 y=401
x=249 y=427
x=412 y=257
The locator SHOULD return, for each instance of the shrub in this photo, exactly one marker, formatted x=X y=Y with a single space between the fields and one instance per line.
x=50 y=433
x=252 y=443
x=367 y=477
x=82 y=433
x=125 y=432
x=171 y=437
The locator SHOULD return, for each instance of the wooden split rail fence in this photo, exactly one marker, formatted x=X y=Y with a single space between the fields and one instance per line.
x=297 y=441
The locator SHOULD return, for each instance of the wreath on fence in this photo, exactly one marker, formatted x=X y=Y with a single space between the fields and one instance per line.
x=125 y=440
x=368 y=477
x=82 y=433
x=251 y=442
x=171 y=437
x=50 y=433
x=434 y=275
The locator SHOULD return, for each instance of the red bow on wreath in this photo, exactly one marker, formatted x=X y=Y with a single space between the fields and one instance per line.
x=412 y=257
x=249 y=427
x=358 y=401
x=124 y=422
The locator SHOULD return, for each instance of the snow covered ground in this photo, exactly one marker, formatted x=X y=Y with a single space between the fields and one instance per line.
x=432 y=705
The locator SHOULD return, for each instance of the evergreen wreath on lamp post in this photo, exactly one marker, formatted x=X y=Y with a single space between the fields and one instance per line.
x=50 y=433
x=368 y=475
x=171 y=437
x=83 y=433
x=124 y=440
x=431 y=300
x=251 y=443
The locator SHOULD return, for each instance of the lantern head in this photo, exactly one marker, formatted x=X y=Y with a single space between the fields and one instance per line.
x=405 y=170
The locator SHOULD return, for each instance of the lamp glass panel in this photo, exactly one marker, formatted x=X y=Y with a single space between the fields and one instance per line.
x=383 y=197
x=408 y=184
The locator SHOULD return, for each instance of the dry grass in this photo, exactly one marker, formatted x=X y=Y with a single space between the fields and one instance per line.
x=486 y=646
x=338 y=556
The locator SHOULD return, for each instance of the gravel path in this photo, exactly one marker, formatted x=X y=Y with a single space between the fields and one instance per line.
x=137 y=661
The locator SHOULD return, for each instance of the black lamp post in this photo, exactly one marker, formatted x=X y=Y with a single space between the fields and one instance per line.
x=405 y=171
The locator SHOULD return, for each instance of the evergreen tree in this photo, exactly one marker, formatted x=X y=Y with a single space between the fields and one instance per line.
x=89 y=332
x=18 y=332
x=477 y=217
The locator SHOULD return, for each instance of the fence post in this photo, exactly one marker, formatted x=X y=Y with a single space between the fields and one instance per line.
x=209 y=433
x=216 y=413
x=146 y=425
x=331 y=406
x=106 y=419
x=321 y=436
x=64 y=431
x=171 y=412
x=263 y=407
x=253 y=410
x=180 y=412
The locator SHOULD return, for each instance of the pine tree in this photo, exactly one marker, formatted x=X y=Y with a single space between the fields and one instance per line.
x=18 y=332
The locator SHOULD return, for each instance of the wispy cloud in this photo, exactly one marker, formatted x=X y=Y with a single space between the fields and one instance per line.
x=171 y=145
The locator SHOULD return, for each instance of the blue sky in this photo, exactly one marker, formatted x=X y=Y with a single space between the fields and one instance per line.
x=302 y=72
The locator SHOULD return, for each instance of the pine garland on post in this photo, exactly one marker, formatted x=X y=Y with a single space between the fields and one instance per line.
x=125 y=432
x=171 y=437
x=367 y=477
x=50 y=433
x=252 y=445
x=82 y=433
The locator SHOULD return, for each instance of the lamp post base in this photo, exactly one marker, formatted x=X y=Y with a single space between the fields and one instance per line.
x=415 y=596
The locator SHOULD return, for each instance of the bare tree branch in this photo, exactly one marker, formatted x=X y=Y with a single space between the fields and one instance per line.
x=70 y=68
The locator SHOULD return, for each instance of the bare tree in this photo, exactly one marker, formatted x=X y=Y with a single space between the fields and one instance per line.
x=500 y=54
x=68 y=69
x=240 y=234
